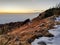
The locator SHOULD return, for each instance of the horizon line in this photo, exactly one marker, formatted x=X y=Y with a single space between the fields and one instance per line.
x=20 y=12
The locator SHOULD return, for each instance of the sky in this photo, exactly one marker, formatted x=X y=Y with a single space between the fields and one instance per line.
x=26 y=6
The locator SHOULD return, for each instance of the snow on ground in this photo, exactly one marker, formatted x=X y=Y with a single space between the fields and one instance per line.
x=52 y=40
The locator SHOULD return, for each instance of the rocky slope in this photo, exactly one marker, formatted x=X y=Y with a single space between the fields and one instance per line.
x=24 y=33
x=4 y=28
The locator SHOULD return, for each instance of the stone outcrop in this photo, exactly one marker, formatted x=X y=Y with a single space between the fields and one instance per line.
x=42 y=43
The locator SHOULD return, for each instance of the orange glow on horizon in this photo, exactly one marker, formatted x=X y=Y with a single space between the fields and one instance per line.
x=19 y=11
x=15 y=11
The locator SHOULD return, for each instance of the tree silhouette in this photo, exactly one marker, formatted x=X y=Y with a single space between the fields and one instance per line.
x=58 y=5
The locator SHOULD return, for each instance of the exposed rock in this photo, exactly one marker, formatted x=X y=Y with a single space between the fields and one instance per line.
x=42 y=43
x=26 y=21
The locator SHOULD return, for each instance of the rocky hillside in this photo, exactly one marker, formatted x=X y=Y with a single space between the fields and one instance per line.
x=4 y=28
x=23 y=33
